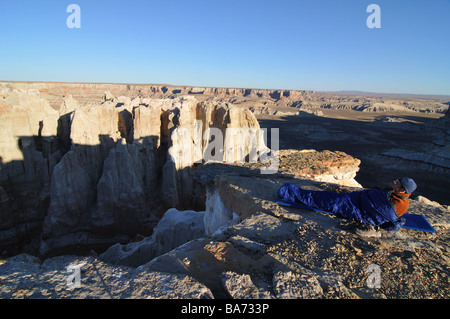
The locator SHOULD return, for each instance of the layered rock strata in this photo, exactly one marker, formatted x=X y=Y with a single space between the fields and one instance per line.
x=435 y=157
x=268 y=101
x=92 y=175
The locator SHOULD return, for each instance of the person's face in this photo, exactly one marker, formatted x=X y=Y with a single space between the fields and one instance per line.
x=397 y=186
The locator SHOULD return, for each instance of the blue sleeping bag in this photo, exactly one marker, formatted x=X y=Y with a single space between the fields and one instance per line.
x=369 y=206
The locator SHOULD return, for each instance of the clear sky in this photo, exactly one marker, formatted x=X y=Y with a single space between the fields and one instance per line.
x=322 y=45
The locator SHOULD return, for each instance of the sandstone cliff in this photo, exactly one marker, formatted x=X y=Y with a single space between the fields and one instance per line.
x=92 y=175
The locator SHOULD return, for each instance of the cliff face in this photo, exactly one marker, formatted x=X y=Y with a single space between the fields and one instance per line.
x=92 y=175
x=80 y=176
x=86 y=93
x=434 y=157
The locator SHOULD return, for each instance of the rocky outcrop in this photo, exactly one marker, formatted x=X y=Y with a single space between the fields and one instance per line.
x=28 y=153
x=280 y=252
x=72 y=195
x=325 y=166
x=121 y=203
x=273 y=252
x=84 y=175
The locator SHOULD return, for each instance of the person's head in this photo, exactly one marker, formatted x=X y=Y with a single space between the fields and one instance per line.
x=404 y=185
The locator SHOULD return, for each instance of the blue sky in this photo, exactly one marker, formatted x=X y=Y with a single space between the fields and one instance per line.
x=322 y=45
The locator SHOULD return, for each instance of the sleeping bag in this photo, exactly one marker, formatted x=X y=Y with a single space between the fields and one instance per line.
x=369 y=206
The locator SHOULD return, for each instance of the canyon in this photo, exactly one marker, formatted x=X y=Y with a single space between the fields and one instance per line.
x=100 y=173
x=114 y=177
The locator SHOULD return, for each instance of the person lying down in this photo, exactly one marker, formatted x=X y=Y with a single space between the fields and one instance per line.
x=372 y=207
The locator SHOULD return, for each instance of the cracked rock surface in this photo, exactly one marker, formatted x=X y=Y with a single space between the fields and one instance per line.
x=273 y=252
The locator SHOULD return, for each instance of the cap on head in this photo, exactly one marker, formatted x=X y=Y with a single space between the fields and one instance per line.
x=408 y=184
